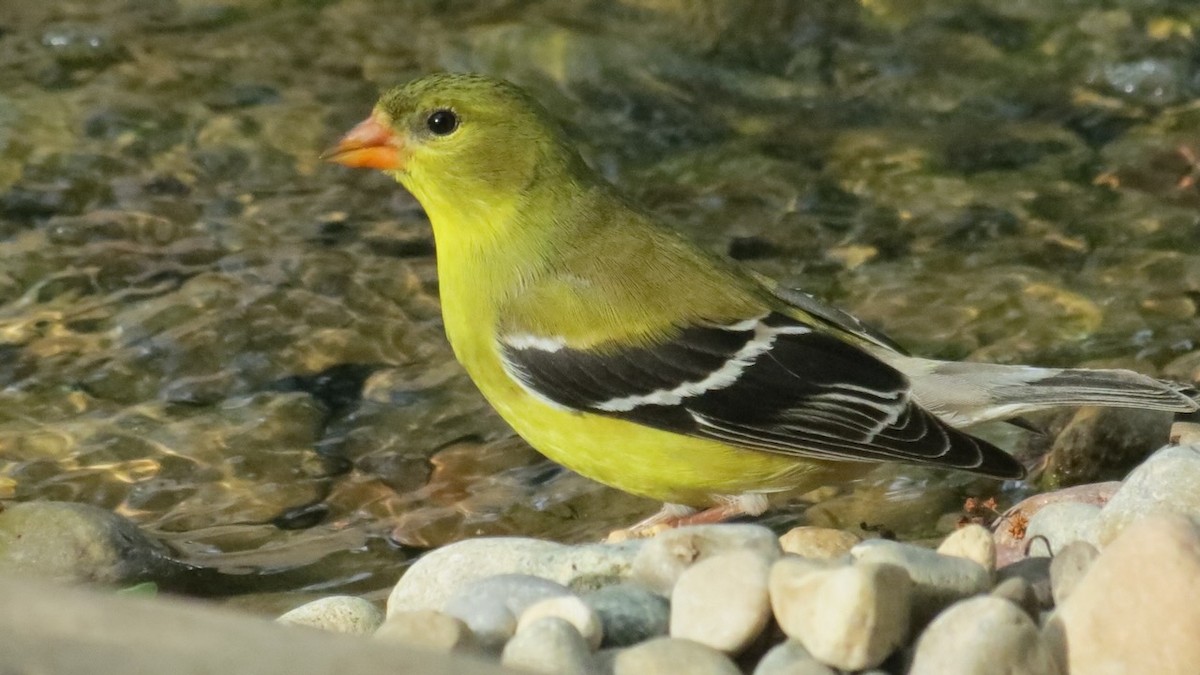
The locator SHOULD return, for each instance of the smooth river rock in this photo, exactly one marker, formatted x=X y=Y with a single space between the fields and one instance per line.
x=337 y=614
x=441 y=573
x=1137 y=610
x=549 y=645
x=1167 y=482
x=973 y=542
x=1058 y=524
x=629 y=614
x=722 y=601
x=427 y=629
x=571 y=609
x=938 y=580
x=491 y=607
x=672 y=656
x=791 y=658
x=662 y=559
x=820 y=543
x=850 y=617
x=982 y=636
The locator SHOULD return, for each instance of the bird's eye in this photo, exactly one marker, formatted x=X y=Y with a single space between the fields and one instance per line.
x=442 y=122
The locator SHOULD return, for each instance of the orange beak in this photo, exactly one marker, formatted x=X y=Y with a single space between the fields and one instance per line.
x=371 y=144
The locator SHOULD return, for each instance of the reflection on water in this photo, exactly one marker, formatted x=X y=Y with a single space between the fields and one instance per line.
x=207 y=330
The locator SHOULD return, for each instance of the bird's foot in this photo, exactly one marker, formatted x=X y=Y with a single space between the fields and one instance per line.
x=676 y=515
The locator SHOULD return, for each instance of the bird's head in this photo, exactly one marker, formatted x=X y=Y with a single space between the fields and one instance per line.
x=459 y=143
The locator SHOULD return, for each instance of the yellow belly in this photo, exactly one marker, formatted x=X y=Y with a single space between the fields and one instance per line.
x=661 y=465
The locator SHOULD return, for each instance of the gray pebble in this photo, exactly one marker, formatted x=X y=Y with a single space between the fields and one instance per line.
x=490 y=606
x=849 y=617
x=1035 y=571
x=791 y=658
x=1020 y=593
x=427 y=629
x=1057 y=524
x=671 y=656
x=441 y=573
x=1068 y=567
x=938 y=580
x=722 y=601
x=662 y=559
x=982 y=636
x=571 y=609
x=1167 y=482
x=629 y=614
x=336 y=614
x=549 y=645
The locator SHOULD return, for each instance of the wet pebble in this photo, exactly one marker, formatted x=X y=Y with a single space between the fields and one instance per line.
x=1137 y=610
x=722 y=601
x=548 y=645
x=662 y=559
x=982 y=636
x=571 y=609
x=1068 y=568
x=820 y=543
x=672 y=656
x=1167 y=482
x=850 y=617
x=629 y=614
x=490 y=606
x=791 y=658
x=938 y=580
x=428 y=629
x=1057 y=525
x=441 y=573
x=73 y=543
x=337 y=614
x=972 y=542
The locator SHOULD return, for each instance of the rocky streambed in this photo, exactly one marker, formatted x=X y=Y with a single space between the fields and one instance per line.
x=1102 y=578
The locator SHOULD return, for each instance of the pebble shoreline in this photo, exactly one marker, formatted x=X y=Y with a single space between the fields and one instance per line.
x=1094 y=579
x=1121 y=593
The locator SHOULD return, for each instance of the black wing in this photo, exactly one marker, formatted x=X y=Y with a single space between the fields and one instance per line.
x=771 y=384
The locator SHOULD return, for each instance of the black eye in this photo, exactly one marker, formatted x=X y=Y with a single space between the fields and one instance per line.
x=442 y=122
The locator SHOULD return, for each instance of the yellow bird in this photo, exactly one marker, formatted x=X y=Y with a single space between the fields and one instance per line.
x=623 y=352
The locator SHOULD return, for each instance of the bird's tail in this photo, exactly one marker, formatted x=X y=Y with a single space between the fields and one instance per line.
x=964 y=394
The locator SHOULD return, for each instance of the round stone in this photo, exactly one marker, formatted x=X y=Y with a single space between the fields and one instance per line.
x=982 y=636
x=938 y=580
x=336 y=614
x=791 y=658
x=442 y=573
x=672 y=656
x=973 y=542
x=662 y=559
x=427 y=629
x=571 y=609
x=490 y=606
x=722 y=601
x=548 y=645
x=850 y=617
x=820 y=543
x=1068 y=568
x=629 y=614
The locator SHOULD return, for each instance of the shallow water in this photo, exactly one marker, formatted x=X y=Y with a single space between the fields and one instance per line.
x=206 y=329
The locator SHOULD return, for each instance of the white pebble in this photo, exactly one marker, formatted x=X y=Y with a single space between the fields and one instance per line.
x=428 y=629
x=722 y=601
x=662 y=559
x=973 y=542
x=982 y=636
x=336 y=614
x=571 y=609
x=548 y=645
x=850 y=617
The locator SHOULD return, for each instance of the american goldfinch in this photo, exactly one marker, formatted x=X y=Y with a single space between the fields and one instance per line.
x=623 y=352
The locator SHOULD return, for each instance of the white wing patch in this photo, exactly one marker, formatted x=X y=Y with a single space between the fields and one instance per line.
x=727 y=374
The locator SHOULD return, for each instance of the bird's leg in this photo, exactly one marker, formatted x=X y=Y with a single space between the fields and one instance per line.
x=677 y=515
